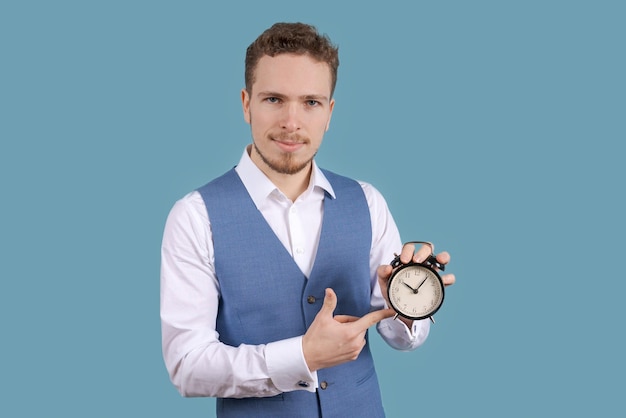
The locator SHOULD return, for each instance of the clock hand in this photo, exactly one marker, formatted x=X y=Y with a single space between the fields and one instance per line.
x=418 y=287
x=413 y=290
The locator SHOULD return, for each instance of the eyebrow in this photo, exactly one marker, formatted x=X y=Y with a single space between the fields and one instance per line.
x=318 y=97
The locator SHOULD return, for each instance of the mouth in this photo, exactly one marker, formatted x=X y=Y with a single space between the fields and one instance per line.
x=289 y=144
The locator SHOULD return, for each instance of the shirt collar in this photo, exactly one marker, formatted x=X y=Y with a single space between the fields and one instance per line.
x=260 y=187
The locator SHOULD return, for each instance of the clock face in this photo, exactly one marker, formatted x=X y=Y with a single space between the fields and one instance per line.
x=415 y=291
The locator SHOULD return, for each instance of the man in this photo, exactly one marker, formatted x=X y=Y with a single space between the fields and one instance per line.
x=272 y=273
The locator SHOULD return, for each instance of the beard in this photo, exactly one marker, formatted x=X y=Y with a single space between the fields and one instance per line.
x=287 y=164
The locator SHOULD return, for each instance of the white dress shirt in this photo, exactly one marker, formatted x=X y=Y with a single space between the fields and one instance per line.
x=198 y=363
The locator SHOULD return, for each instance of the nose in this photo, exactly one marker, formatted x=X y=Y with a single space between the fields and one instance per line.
x=290 y=118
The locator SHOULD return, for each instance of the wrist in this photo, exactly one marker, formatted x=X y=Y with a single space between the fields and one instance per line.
x=405 y=321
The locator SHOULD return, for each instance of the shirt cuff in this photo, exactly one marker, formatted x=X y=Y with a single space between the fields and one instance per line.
x=287 y=367
x=399 y=336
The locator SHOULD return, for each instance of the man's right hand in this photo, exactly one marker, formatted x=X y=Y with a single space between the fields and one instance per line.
x=333 y=340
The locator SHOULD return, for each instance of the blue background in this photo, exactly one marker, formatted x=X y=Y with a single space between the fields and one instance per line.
x=494 y=129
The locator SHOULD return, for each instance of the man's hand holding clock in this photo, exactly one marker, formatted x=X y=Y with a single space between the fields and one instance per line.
x=411 y=284
x=335 y=339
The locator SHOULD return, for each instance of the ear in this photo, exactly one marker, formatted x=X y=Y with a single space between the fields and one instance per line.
x=331 y=105
x=245 y=105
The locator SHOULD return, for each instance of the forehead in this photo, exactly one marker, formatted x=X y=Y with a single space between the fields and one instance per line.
x=292 y=74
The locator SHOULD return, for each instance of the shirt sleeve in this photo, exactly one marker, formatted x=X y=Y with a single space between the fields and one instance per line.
x=197 y=362
x=385 y=243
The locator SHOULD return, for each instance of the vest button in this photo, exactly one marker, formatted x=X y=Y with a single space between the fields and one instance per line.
x=310 y=299
x=324 y=385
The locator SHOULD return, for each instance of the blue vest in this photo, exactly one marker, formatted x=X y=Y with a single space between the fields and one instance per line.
x=265 y=297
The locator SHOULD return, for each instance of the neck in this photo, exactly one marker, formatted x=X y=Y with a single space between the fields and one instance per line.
x=292 y=185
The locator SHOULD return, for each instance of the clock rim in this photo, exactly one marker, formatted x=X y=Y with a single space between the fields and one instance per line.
x=412 y=264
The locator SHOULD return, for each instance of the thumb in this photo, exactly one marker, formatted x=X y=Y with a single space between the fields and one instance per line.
x=384 y=272
x=330 y=303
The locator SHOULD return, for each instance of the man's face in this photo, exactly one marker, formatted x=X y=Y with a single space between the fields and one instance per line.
x=289 y=110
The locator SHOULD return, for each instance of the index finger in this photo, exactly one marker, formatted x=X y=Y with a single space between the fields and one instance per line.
x=373 y=318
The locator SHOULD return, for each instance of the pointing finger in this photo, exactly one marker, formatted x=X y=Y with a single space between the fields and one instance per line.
x=373 y=318
x=346 y=318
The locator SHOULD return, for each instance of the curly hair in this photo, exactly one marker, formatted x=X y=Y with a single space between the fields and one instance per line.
x=292 y=38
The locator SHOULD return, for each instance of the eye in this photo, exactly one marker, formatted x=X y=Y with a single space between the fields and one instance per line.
x=312 y=103
x=272 y=100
